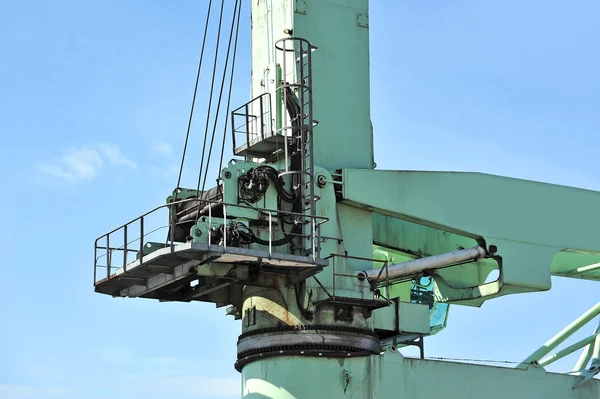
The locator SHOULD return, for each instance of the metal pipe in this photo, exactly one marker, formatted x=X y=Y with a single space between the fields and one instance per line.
x=172 y=225
x=583 y=269
x=586 y=354
x=568 y=350
x=203 y=211
x=224 y=221
x=141 y=240
x=95 y=260
x=596 y=352
x=125 y=248
x=209 y=232
x=429 y=263
x=285 y=122
x=108 y=256
x=561 y=336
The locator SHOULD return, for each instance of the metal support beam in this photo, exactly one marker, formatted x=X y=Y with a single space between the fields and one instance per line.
x=561 y=336
x=211 y=287
x=583 y=269
x=586 y=354
x=568 y=350
x=420 y=265
x=596 y=352
x=161 y=280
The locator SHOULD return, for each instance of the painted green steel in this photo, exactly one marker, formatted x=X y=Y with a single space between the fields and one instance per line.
x=562 y=336
x=484 y=208
x=419 y=241
x=596 y=352
x=341 y=85
x=586 y=354
x=531 y=231
x=392 y=376
x=278 y=107
x=581 y=265
x=457 y=202
x=568 y=350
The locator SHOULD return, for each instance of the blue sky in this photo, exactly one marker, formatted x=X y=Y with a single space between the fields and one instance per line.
x=94 y=100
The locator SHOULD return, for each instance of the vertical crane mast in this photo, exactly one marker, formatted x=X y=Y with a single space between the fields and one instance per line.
x=331 y=265
x=340 y=64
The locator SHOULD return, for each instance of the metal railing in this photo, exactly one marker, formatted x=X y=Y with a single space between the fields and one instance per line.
x=257 y=123
x=103 y=249
x=382 y=272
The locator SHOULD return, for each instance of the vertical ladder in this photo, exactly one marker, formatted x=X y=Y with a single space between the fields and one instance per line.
x=297 y=82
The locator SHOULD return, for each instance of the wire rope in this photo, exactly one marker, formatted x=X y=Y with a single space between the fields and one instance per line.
x=187 y=135
x=212 y=85
x=230 y=88
x=212 y=139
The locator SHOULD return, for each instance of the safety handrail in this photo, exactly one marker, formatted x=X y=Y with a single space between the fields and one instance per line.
x=264 y=114
x=318 y=220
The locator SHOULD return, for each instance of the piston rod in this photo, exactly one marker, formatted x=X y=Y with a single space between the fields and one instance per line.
x=416 y=266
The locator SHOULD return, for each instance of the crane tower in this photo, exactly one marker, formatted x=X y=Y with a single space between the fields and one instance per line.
x=332 y=265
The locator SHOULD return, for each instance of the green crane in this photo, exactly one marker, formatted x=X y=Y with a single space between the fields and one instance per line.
x=332 y=265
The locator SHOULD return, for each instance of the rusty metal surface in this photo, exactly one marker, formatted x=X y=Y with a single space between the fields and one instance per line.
x=165 y=261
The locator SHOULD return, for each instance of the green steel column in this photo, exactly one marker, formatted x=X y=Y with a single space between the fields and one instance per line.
x=341 y=87
x=596 y=352
x=278 y=102
x=586 y=354
x=340 y=30
x=280 y=316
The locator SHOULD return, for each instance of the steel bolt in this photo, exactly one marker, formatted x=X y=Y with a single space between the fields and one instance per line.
x=321 y=181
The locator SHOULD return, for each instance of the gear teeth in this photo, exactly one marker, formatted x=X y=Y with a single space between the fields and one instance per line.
x=314 y=348
x=314 y=327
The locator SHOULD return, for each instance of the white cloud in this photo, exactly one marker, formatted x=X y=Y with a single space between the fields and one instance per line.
x=114 y=155
x=163 y=148
x=75 y=166
x=168 y=171
x=82 y=164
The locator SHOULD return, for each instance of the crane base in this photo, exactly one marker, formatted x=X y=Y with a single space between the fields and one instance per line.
x=391 y=375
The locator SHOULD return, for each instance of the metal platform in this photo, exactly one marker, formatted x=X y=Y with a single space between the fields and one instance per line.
x=261 y=147
x=174 y=265
x=259 y=138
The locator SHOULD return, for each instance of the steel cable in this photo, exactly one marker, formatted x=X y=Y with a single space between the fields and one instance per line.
x=230 y=88
x=212 y=86
x=187 y=135
x=233 y=21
